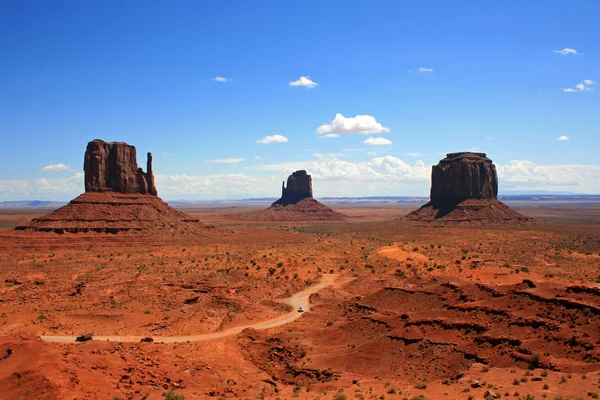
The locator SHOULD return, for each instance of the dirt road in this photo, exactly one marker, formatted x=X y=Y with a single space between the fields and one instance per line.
x=296 y=300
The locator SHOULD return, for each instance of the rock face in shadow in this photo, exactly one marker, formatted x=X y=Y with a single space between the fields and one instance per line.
x=464 y=188
x=462 y=176
x=299 y=187
x=112 y=166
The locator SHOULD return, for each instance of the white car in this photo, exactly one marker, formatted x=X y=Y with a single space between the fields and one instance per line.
x=300 y=309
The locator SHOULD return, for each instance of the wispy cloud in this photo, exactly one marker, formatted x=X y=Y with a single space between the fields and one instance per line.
x=57 y=168
x=414 y=154
x=221 y=79
x=273 y=139
x=304 y=81
x=567 y=51
x=167 y=154
x=423 y=70
x=584 y=86
x=226 y=160
x=377 y=141
x=329 y=136
x=328 y=156
x=563 y=138
x=364 y=124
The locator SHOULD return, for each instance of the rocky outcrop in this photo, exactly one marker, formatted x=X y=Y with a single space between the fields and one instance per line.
x=119 y=197
x=299 y=187
x=462 y=176
x=296 y=204
x=112 y=166
x=464 y=188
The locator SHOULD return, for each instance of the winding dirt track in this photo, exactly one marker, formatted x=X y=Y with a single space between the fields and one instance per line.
x=296 y=300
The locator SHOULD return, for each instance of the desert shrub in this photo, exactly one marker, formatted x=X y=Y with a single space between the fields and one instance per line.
x=421 y=385
x=400 y=274
x=340 y=396
x=171 y=395
x=534 y=362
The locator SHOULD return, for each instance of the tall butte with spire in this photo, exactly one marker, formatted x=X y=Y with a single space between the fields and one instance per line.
x=119 y=197
x=464 y=188
x=112 y=166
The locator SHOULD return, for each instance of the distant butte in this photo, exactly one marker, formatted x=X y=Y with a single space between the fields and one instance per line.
x=119 y=197
x=299 y=187
x=296 y=204
x=464 y=188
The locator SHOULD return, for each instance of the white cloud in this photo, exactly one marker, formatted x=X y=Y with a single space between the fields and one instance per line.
x=584 y=86
x=221 y=79
x=378 y=141
x=425 y=70
x=226 y=160
x=414 y=154
x=329 y=136
x=563 y=138
x=57 y=168
x=42 y=189
x=525 y=174
x=371 y=153
x=304 y=81
x=258 y=157
x=273 y=139
x=567 y=51
x=364 y=124
x=167 y=154
x=331 y=177
x=329 y=156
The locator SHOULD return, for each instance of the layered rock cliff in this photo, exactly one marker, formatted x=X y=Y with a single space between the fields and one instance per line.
x=112 y=166
x=299 y=187
x=462 y=176
x=464 y=188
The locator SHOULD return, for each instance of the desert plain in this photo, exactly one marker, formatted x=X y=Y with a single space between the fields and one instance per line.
x=395 y=309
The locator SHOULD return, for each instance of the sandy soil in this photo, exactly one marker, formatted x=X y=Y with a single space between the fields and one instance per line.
x=444 y=312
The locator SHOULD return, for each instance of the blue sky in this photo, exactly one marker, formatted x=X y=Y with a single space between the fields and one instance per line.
x=435 y=77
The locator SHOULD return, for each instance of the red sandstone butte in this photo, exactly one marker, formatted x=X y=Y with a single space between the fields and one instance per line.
x=464 y=188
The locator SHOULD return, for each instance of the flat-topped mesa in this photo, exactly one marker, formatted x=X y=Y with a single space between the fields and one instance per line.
x=299 y=187
x=463 y=176
x=112 y=166
x=464 y=188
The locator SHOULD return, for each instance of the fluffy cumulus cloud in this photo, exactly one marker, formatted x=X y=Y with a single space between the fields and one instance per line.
x=273 y=139
x=566 y=51
x=584 y=86
x=332 y=176
x=221 y=79
x=364 y=124
x=563 y=138
x=526 y=174
x=226 y=160
x=42 y=188
x=377 y=141
x=304 y=81
x=57 y=168
x=423 y=70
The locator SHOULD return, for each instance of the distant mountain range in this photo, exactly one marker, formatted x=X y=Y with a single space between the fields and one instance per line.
x=541 y=196
x=32 y=204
